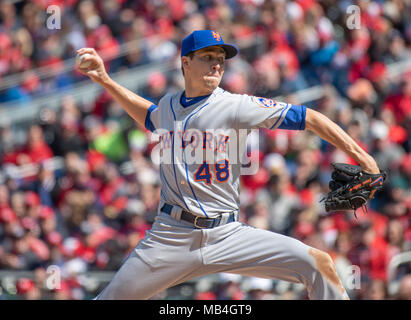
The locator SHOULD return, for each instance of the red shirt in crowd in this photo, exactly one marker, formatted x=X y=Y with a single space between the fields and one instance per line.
x=400 y=105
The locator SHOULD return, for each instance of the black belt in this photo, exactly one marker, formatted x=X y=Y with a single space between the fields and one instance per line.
x=198 y=222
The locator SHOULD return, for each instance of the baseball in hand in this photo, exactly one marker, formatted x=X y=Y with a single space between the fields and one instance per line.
x=80 y=61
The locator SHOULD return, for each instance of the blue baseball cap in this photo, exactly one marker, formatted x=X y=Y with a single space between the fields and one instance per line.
x=201 y=39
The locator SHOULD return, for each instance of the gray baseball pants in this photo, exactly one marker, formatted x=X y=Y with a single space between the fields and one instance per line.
x=173 y=252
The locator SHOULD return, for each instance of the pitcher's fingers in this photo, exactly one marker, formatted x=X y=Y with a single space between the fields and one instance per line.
x=94 y=61
x=86 y=70
x=83 y=70
x=87 y=50
x=94 y=64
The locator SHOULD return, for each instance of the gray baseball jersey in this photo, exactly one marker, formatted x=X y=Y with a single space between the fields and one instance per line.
x=214 y=127
x=201 y=147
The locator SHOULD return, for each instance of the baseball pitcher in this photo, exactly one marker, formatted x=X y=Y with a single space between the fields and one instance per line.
x=196 y=231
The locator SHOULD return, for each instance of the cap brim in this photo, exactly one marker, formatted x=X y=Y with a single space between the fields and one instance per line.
x=230 y=50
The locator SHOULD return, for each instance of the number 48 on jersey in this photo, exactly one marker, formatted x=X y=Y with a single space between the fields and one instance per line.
x=221 y=172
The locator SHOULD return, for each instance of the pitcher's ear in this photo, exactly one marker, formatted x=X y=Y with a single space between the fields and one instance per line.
x=184 y=61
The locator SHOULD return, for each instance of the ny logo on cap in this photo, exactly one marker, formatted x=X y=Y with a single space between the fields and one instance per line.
x=216 y=35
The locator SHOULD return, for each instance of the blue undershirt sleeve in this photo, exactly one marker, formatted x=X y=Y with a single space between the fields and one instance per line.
x=294 y=119
x=148 y=124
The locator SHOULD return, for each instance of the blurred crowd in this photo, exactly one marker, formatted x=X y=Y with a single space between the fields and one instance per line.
x=87 y=212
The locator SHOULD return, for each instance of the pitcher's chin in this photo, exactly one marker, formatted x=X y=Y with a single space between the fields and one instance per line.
x=212 y=82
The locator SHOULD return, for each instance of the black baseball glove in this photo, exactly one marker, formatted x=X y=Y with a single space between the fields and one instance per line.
x=351 y=187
